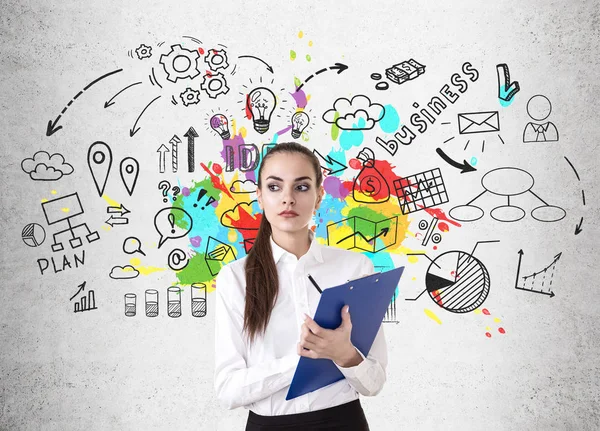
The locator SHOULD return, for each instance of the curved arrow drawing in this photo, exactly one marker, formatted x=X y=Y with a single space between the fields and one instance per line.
x=110 y=101
x=133 y=130
x=464 y=166
x=52 y=128
x=338 y=66
x=269 y=68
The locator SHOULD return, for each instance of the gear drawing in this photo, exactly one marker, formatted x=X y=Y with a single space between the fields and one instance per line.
x=143 y=51
x=216 y=59
x=190 y=96
x=180 y=63
x=214 y=84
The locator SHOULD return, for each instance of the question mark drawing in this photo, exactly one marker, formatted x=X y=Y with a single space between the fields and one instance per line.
x=176 y=190
x=164 y=185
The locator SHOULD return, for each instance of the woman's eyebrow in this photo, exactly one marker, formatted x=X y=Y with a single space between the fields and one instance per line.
x=297 y=179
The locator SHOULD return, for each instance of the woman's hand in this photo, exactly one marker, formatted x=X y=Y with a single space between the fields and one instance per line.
x=331 y=344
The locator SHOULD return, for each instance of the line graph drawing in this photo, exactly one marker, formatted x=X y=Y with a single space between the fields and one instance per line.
x=430 y=191
x=540 y=281
x=358 y=232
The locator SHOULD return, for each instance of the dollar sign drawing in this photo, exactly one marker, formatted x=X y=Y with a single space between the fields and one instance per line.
x=371 y=185
x=405 y=66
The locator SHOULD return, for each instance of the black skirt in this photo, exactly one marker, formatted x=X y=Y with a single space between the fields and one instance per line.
x=347 y=417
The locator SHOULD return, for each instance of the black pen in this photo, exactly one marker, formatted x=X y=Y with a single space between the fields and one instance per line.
x=312 y=280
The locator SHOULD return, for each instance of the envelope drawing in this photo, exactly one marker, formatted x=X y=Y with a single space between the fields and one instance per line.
x=478 y=122
x=218 y=254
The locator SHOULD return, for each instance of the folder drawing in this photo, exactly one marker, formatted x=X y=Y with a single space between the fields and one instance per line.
x=368 y=298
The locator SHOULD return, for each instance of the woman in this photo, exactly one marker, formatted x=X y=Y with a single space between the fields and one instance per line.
x=264 y=302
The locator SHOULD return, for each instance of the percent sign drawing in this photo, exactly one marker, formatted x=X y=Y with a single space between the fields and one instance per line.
x=436 y=238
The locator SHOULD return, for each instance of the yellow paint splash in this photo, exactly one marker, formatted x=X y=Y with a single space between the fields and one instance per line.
x=243 y=132
x=44 y=200
x=310 y=43
x=135 y=261
x=497 y=319
x=105 y=227
x=300 y=34
x=146 y=270
x=110 y=202
x=65 y=210
x=413 y=259
x=477 y=311
x=432 y=315
x=53 y=192
x=232 y=235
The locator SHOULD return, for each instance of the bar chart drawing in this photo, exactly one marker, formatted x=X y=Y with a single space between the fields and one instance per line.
x=86 y=302
x=390 y=313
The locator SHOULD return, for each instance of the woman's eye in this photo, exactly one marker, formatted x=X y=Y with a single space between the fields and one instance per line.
x=304 y=187
x=272 y=187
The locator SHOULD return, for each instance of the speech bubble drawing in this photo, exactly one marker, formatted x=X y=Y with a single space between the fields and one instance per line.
x=132 y=245
x=164 y=222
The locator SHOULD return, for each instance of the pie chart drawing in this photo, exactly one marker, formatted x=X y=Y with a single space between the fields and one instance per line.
x=457 y=281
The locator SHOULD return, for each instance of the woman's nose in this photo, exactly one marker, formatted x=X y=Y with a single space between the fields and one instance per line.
x=288 y=198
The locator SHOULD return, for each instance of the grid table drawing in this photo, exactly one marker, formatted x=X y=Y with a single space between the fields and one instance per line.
x=422 y=190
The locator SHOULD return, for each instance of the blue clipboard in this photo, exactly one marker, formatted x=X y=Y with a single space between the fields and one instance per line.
x=369 y=298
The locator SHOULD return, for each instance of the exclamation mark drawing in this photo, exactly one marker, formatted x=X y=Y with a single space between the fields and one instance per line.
x=201 y=194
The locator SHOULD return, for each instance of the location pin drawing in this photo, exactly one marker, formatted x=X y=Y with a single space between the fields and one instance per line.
x=130 y=169
x=99 y=161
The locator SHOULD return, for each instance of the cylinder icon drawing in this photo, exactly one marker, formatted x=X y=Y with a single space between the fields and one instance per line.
x=198 y=299
x=151 y=302
x=174 y=301
x=130 y=300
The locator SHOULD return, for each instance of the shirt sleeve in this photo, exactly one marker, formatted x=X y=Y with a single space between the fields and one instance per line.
x=368 y=377
x=236 y=384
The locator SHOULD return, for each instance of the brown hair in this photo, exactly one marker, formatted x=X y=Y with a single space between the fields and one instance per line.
x=262 y=283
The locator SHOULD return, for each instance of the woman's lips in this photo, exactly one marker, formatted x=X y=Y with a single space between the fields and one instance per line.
x=288 y=214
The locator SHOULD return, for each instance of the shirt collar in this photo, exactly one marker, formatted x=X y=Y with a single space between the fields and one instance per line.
x=314 y=249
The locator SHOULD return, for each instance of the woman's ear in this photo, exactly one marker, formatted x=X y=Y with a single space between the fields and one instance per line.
x=259 y=198
x=320 y=197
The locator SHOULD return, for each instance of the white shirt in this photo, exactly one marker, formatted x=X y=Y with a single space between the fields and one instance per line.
x=258 y=376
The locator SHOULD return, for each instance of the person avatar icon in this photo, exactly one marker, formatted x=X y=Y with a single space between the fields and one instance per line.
x=539 y=108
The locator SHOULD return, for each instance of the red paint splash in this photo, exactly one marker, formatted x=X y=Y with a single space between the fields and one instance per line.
x=354 y=164
x=487 y=334
x=208 y=73
x=436 y=296
x=501 y=330
x=217 y=183
x=386 y=171
x=440 y=214
x=245 y=221
x=485 y=311
x=443 y=227
x=217 y=168
x=248 y=111
x=201 y=51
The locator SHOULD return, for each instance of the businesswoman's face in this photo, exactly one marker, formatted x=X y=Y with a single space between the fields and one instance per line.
x=288 y=184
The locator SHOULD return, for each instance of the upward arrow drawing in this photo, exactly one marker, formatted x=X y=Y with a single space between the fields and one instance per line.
x=191 y=135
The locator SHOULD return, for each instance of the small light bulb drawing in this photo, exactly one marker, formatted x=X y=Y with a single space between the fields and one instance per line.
x=219 y=123
x=300 y=122
x=261 y=102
